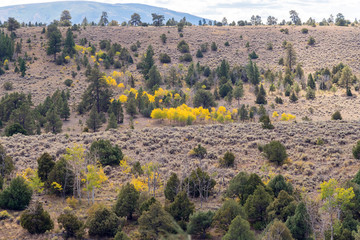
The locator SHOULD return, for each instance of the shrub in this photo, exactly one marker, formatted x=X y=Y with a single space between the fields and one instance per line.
x=186 y=58
x=68 y=82
x=126 y=202
x=356 y=150
x=253 y=55
x=183 y=47
x=227 y=44
x=106 y=153
x=164 y=58
x=275 y=152
x=120 y=235
x=199 y=152
x=133 y=47
x=36 y=220
x=311 y=41
x=278 y=100
x=310 y=94
x=266 y=123
x=199 y=54
x=6 y=163
x=102 y=222
x=8 y=86
x=17 y=196
x=304 y=30
x=269 y=46
x=336 y=116
x=4 y=215
x=14 y=129
x=163 y=38
x=227 y=160
x=72 y=225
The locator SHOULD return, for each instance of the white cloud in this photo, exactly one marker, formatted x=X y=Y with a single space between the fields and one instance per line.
x=243 y=9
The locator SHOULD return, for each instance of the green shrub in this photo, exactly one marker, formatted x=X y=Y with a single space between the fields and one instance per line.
x=106 y=153
x=213 y=46
x=17 y=196
x=102 y=222
x=163 y=38
x=199 y=152
x=266 y=123
x=253 y=55
x=8 y=86
x=14 y=129
x=183 y=47
x=227 y=44
x=186 y=57
x=36 y=220
x=304 y=30
x=6 y=163
x=269 y=46
x=68 y=82
x=311 y=41
x=164 y=58
x=120 y=235
x=356 y=150
x=336 y=116
x=4 y=215
x=72 y=225
x=228 y=160
x=133 y=47
x=199 y=54
x=275 y=152
x=278 y=100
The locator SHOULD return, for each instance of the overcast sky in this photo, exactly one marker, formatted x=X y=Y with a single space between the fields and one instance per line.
x=243 y=9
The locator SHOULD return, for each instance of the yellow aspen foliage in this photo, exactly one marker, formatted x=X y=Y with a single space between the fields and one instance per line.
x=275 y=114
x=56 y=186
x=123 y=98
x=177 y=96
x=111 y=100
x=6 y=62
x=125 y=167
x=120 y=85
x=287 y=117
x=139 y=184
x=220 y=118
x=34 y=181
x=67 y=58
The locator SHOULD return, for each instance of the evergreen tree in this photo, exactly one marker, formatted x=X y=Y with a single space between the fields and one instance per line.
x=157 y=223
x=54 y=123
x=290 y=55
x=36 y=220
x=102 y=222
x=204 y=99
x=94 y=121
x=199 y=222
x=126 y=202
x=239 y=230
x=277 y=230
x=223 y=70
x=117 y=110
x=311 y=82
x=23 y=67
x=238 y=92
x=147 y=62
x=24 y=117
x=293 y=97
x=12 y=24
x=255 y=207
x=69 y=44
x=243 y=113
x=282 y=207
x=278 y=183
x=45 y=165
x=299 y=224
x=97 y=94
x=63 y=175
x=172 y=187
x=6 y=46
x=131 y=106
x=54 y=40
x=154 y=78
x=112 y=123
x=181 y=209
x=65 y=110
x=228 y=211
x=17 y=195
x=252 y=73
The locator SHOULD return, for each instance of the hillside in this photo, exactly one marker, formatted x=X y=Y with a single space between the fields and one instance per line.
x=300 y=108
x=47 y=12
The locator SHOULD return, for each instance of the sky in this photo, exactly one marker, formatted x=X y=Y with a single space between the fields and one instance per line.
x=243 y=9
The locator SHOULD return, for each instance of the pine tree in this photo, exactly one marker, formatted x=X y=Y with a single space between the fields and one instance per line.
x=54 y=123
x=290 y=55
x=116 y=108
x=299 y=223
x=243 y=113
x=23 y=67
x=252 y=72
x=199 y=222
x=131 y=106
x=65 y=110
x=311 y=82
x=45 y=165
x=69 y=44
x=54 y=40
x=172 y=187
x=239 y=230
x=278 y=230
x=94 y=121
x=228 y=211
x=238 y=92
x=181 y=209
x=147 y=62
x=154 y=78
x=112 y=123
x=293 y=97
x=278 y=183
x=126 y=202
x=282 y=207
x=255 y=207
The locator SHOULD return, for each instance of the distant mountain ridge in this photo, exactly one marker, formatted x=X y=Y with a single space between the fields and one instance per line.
x=47 y=12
